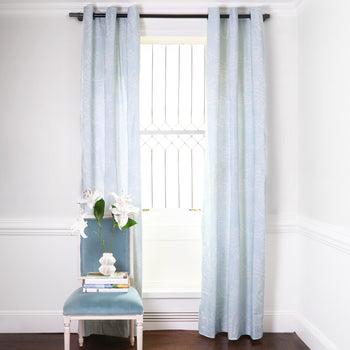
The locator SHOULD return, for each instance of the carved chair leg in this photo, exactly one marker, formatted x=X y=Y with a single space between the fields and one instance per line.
x=80 y=331
x=132 y=333
x=66 y=321
x=139 y=330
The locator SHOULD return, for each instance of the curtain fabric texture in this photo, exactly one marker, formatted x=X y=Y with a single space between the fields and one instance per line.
x=110 y=120
x=234 y=200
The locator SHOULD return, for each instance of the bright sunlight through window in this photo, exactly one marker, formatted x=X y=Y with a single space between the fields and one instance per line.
x=172 y=126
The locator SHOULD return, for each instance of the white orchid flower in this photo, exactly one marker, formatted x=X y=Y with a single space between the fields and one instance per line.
x=122 y=210
x=90 y=198
x=80 y=225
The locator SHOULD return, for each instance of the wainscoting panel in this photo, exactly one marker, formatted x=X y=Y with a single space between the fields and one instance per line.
x=306 y=291
x=324 y=286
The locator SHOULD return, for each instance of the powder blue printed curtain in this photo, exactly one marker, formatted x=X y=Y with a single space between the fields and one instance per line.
x=110 y=120
x=234 y=200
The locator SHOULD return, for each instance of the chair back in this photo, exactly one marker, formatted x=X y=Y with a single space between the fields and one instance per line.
x=91 y=248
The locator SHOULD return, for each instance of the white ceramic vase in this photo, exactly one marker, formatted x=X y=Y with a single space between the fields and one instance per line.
x=107 y=267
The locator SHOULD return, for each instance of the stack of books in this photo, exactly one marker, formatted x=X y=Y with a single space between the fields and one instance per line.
x=95 y=282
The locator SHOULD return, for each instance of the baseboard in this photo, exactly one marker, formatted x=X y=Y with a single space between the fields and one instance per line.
x=312 y=336
x=171 y=320
x=52 y=321
x=279 y=321
x=275 y=322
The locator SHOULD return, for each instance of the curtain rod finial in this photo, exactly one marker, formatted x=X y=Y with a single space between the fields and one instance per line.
x=78 y=15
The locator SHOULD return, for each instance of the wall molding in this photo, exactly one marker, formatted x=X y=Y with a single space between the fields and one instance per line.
x=149 y=27
x=62 y=227
x=330 y=235
x=281 y=224
x=300 y=5
x=322 y=232
x=35 y=227
x=276 y=8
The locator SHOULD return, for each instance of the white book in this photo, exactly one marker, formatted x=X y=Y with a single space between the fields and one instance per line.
x=105 y=290
x=116 y=278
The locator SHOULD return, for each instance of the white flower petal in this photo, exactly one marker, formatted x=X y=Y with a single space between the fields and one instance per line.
x=82 y=234
x=80 y=225
x=117 y=219
x=90 y=204
x=122 y=209
x=116 y=197
x=96 y=196
x=123 y=219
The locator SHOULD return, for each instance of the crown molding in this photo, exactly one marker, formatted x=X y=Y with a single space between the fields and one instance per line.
x=299 y=5
x=274 y=7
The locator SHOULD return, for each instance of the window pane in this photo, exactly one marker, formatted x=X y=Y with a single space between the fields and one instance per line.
x=172 y=122
x=172 y=118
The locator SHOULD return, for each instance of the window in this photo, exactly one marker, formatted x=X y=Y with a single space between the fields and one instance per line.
x=172 y=127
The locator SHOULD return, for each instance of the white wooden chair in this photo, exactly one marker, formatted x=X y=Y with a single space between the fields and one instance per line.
x=105 y=306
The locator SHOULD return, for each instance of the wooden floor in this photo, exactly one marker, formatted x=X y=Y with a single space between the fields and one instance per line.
x=153 y=340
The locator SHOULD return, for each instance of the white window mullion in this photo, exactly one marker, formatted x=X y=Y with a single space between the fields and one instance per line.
x=171 y=117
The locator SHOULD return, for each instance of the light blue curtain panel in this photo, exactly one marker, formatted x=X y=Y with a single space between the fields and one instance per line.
x=110 y=118
x=234 y=200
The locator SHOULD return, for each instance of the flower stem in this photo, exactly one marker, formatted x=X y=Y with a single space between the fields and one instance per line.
x=110 y=248
x=100 y=234
x=92 y=230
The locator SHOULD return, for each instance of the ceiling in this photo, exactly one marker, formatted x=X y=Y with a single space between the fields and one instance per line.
x=149 y=1
x=167 y=2
x=152 y=5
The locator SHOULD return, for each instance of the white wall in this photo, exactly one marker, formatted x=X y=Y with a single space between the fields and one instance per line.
x=40 y=177
x=281 y=49
x=324 y=172
x=40 y=145
x=40 y=166
x=281 y=75
x=324 y=168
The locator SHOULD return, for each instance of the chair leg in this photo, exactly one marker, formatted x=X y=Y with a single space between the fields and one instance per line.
x=139 y=330
x=132 y=333
x=66 y=322
x=80 y=331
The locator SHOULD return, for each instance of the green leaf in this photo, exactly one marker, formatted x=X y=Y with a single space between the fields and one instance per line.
x=130 y=223
x=99 y=210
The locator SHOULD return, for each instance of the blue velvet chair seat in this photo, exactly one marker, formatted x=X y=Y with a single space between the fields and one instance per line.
x=80 y=303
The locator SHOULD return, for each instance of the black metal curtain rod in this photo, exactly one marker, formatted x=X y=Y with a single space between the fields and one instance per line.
x=80 y=15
